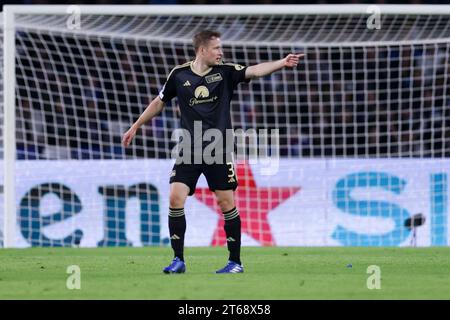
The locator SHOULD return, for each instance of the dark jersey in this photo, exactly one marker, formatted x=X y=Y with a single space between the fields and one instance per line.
x=204 y=98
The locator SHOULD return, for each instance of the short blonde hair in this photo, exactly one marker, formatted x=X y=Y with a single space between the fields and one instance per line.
x=202 y=38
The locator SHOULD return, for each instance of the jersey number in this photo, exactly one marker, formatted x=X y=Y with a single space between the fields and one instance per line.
x=231 y=175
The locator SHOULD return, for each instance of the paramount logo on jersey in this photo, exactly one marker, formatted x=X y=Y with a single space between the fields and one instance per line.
x=201 y=94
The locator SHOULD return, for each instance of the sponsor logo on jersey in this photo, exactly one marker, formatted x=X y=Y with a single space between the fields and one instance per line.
x=187 y=84
x=213 y=78
x=201 y=94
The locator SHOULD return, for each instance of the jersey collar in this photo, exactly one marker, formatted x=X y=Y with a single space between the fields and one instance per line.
x=200 y=74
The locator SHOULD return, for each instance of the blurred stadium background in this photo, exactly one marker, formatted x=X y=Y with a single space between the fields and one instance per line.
x=364 y=127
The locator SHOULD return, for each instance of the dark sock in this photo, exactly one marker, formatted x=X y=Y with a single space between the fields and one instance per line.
x=177 y=228
x=233 y=232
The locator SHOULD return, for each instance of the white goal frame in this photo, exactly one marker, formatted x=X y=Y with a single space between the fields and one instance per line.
x=9 y=80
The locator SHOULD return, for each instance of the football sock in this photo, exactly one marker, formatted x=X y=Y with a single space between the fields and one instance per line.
x=233 y=232
x=177 y=228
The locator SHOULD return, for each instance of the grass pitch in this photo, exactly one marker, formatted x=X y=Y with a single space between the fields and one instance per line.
x=270 y=273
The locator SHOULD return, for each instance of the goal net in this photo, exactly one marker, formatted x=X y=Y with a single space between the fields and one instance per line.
x=363 y=125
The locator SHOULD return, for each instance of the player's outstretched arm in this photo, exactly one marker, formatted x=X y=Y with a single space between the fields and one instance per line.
x=152 y=110
x=265 y=68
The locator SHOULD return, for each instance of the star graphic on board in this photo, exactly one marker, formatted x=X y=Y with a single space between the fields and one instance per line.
x=254 y=204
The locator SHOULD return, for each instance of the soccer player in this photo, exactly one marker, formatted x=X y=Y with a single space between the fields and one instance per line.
x=204 y=88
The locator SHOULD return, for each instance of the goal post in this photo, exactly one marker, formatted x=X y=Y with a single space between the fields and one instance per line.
x=364 y=123
x=9 y=139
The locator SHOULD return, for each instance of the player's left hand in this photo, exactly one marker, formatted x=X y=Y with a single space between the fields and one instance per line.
x=292 y=59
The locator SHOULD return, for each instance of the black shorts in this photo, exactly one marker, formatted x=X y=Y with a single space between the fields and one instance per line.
x=219 y=176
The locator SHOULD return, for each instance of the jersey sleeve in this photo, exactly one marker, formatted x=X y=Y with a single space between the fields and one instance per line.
x=236 y=74
x=168 y=91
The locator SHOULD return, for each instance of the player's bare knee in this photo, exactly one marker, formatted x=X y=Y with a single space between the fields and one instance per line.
x=225 y=204
x=176 y=200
